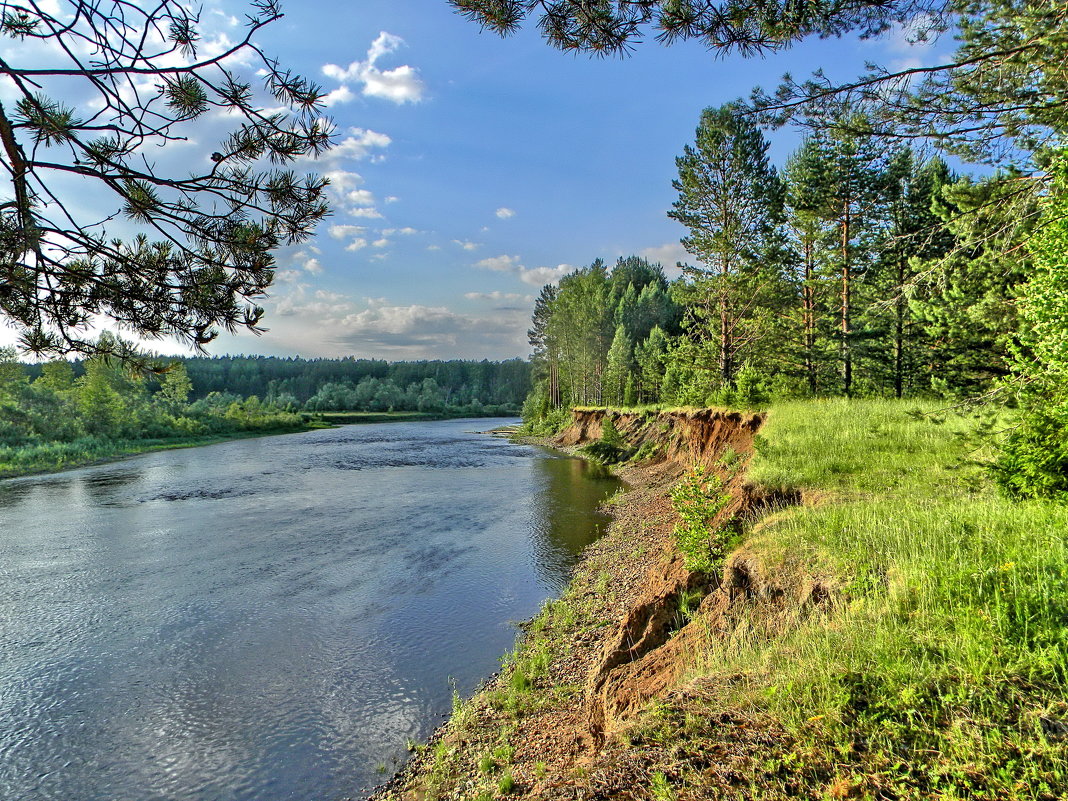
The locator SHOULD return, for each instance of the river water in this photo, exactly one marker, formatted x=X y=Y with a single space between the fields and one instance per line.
x=273 y=618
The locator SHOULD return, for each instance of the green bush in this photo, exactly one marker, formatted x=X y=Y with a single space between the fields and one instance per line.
x=610 y=448
x=1033 y=462
x=697 y=499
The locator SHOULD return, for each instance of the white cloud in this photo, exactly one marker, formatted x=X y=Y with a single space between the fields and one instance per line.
x=313 y=266
x=501 y=264
x=535 y=276
x=359 y=144
x=668 y=255
x=392 y=199
x=381 y=243
x=539 y=276
x=356 y=244
x=340 y=95
x=360 y=197
x=398 y=85
x=505 y=213
x=345 y=231
x=467 y=245
x=406 y=231
x=401 y=85
x=346 y=196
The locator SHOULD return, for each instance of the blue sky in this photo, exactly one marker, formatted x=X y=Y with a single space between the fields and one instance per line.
x=471 y=170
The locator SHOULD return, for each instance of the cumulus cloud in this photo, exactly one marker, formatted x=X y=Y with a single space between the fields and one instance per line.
x=399 y=85
x=313 y=266
x=535 y=276
x=668 y=255
x=347 y=195
x=505 y=213
x=367 y=213
x=539 y=276
x=500 y=264
x=345 y=231
x=340 y=95
x=466 y=244
x=359 y=144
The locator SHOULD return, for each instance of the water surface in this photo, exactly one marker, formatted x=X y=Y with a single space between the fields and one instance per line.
x=268 y=619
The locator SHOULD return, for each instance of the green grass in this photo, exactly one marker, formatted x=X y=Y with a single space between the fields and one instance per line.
x=939 y=668
x=872 y=446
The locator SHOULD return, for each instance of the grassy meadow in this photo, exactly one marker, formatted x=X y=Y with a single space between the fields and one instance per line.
x=939 y=668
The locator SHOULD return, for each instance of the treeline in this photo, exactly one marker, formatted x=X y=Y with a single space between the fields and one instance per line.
x=351 y=384
x=857 y=270
x=53 y=415
x=455 y=387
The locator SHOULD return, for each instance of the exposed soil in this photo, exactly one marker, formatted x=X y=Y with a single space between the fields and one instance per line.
x=623 y=636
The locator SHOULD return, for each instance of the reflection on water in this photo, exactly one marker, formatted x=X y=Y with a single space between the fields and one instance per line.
x=272 y=618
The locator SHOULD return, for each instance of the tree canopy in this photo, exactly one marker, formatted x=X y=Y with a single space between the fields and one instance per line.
x=94 y=223
x=610 y=27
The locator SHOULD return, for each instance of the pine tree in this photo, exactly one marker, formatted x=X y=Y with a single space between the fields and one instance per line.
x=804 y=178
x=729 y=200
x=848 y=198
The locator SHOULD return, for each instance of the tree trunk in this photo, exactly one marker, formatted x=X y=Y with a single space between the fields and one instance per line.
x=847 y=355
x=726 y=346
x=808 y=313
x=899 y=330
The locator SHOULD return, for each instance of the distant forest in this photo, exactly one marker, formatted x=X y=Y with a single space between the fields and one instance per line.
x=350 y=384
x=353 y=384
x=62 y=413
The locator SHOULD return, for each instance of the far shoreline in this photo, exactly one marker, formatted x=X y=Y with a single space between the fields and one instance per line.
x=125 y=449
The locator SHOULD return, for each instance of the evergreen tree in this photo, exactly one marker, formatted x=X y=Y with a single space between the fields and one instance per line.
x=914 y=235
x=139 y=77
x=651 y=356
x=848 y=200
x=730 y=200
x=968 y=313
x=805 y=177
x=1034 y=462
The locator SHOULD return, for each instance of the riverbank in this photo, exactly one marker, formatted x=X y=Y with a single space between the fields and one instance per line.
x=54 y=457
x=883 y=625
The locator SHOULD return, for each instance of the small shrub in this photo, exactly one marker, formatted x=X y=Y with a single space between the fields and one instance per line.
x=697 y=499
x=648 y=450
x=1033 y=462
x=610 y=448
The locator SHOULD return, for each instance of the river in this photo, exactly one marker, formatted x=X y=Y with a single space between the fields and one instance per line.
x=272 y=618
